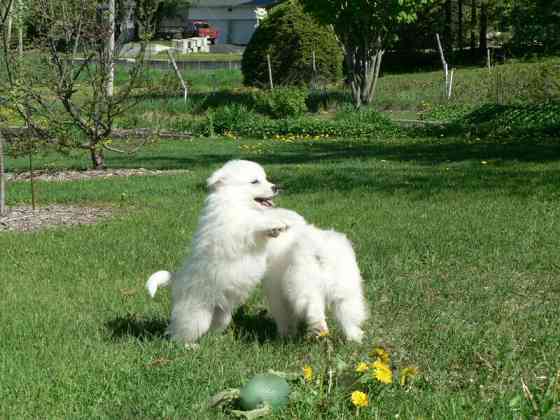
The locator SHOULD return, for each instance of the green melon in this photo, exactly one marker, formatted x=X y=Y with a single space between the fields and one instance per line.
x=265 y=388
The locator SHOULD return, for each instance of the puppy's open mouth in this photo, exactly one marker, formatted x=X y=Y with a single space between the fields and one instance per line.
x=265 y=201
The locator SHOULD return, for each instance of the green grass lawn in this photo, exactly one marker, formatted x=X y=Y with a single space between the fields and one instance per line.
x=457 y=241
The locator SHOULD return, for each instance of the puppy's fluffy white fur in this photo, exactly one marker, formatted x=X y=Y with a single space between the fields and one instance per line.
x=228 y=253
x=308 y=270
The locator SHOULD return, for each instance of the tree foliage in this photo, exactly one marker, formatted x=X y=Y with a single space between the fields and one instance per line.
x=290 y=37
x=365 y=28
x=536 y=23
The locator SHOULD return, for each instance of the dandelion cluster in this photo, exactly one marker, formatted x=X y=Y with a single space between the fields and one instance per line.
x=230 y=135
x=256 y=149
x=363 y=381
x=308 y=373
x=292 y=138
x=359 y=399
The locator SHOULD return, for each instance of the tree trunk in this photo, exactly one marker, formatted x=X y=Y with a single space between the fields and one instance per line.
x=2 y=176
x=20 y=29
x=460 y=34
x=97 y=158
x=483 y=42
x=9 y=24
x=111 y=49
x=448 y=27
x=473 y=27
x=363 y=65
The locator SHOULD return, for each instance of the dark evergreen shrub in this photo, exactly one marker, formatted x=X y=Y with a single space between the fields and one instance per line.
x=290 y=36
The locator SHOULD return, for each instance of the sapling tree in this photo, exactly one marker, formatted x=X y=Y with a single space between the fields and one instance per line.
x=5 y=9
x=61 y=91
x=365 y=29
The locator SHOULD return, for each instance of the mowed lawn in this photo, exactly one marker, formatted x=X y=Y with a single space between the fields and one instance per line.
x=458 y=242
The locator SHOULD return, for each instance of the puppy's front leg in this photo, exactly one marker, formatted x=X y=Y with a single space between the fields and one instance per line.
x=271 y=228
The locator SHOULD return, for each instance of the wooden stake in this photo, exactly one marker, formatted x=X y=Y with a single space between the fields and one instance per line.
x=32 y=180
x=178 y=73
x=2 y=175
x=314 y=63
x=448 y=79
x=269 y=71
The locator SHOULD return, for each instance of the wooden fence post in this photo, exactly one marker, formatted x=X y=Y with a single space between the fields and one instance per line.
x=178 y=73
x=269 y=71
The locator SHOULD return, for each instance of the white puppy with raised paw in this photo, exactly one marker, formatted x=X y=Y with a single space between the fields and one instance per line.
x=228 y=252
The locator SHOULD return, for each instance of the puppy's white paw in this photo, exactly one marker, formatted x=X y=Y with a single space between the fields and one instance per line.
x=192 y=346
x=355 y=334
x=319 y=329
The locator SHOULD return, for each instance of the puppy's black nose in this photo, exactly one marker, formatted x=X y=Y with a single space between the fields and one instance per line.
x=275 y=188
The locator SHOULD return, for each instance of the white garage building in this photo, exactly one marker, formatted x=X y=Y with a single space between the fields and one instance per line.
x=236 y=19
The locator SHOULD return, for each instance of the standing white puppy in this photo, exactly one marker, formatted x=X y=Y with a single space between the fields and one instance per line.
x=228 y=257
x=310 y=269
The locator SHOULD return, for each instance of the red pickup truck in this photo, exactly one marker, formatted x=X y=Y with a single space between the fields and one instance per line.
x=191 y=29
x=201 y=28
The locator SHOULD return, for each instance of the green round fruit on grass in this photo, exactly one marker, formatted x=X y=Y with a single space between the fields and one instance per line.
x=265 y=388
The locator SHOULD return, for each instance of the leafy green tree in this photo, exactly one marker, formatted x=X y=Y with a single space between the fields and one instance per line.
x=536 y=23
x=365 y=29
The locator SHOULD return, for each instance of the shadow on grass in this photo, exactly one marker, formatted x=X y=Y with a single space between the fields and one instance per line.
x=253 y=327
x=132 y=325
x=246 y=327
x=415 y=165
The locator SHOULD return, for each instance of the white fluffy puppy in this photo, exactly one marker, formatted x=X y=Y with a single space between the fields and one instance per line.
x=228 y=256
x=310 y=269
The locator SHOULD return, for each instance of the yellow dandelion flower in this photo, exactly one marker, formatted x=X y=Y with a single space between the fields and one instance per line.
x=360 y=399
x=324 y=333
x=362 y=367
x=382 y=354
x=382 y=372
x=308 y=373
x=406 y=374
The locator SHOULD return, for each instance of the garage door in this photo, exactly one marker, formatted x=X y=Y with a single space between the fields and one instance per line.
x=242 y=30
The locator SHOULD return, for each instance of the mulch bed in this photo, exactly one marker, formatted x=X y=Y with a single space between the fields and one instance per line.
x=45 y=175
x=25 y=219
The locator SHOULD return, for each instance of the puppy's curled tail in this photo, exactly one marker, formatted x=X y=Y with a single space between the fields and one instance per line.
x=158 y=279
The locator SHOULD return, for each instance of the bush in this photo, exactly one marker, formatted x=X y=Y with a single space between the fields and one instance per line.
x=282 y=102
x=228 y=118
x=236 y=120
x=290 y=36
x=532 y=120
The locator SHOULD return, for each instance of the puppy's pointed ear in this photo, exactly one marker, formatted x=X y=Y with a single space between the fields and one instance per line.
x=215 y=180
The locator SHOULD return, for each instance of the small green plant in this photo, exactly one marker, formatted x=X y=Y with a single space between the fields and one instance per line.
x=282 y=102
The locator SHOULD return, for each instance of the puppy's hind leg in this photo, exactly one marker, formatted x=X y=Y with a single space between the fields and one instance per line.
x=220 y=319
x=315 y=317
x=351 y=313
x=189 y=323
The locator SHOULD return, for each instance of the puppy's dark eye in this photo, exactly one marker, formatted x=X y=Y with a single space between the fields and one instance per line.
x=256 y=181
